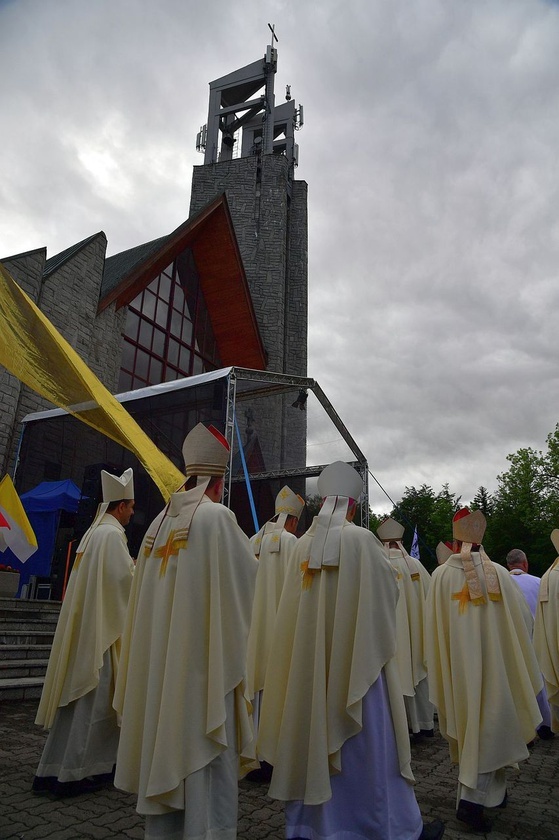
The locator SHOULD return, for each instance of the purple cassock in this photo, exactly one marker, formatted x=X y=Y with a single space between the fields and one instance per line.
x=370 y=799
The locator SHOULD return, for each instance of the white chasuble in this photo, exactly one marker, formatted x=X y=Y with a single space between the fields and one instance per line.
x=546 y=639
x=183 y=652
x=91 y=619
x=272 y=567
x=483 y=673
x=335 y=632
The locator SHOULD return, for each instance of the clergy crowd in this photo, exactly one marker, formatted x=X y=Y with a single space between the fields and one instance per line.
x=309 y=664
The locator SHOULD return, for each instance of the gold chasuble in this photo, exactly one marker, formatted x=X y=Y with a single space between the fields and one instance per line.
x=183 y=651
x=91 y=619
x=335 y=632
x=483 y=674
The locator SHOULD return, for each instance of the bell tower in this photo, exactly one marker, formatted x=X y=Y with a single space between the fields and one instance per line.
x=250 y=153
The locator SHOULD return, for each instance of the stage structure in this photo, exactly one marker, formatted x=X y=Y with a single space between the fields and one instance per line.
x=232 y=399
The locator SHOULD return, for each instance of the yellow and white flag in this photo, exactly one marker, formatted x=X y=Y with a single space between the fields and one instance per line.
x=32 y=349
x=16 y=532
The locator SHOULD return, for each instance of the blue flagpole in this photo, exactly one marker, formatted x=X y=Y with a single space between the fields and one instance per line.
x=247 y=479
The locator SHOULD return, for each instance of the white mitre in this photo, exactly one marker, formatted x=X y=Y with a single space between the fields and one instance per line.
x=117 y=487
x=338 y=483
x=443 y=552
x=390 y=531
x=288 y=503
x=469 y=528
x=205 y=452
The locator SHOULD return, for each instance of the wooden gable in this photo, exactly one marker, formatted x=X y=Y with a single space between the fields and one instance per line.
x=211 y=237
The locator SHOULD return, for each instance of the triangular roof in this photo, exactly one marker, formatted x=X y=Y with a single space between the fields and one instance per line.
x=23 y=254
x=211 y=237
x=120 y=265
x=59 y=259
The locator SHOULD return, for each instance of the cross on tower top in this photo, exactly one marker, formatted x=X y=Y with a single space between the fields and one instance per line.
x=271 y=27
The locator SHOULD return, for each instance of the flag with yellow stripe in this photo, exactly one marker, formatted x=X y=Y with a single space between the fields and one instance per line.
x=33 y=350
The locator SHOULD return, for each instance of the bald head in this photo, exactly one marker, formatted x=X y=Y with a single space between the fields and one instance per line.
x=516 y=559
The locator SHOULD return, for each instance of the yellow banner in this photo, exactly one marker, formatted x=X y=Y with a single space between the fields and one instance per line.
x=34 y=351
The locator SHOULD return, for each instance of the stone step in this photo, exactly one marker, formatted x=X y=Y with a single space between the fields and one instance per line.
x=25 y=624
x=22 y=688
x=24 y=605
x=36 y=614
x=8 y=652
x=15 y=668
x=33 y=611
x=26 y=637
x=26 y=634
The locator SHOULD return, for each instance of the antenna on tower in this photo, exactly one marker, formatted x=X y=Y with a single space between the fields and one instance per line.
x=201 y=138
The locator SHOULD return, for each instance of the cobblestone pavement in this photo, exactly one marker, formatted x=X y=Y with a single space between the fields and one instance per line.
x=532 y=812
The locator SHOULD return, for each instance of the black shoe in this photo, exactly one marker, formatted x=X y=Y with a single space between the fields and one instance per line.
x=419 y=737
x=262 y=776
x=43 y=785
x=90 y=784
x=472 y=814
x=432 y=831
x=545 y=732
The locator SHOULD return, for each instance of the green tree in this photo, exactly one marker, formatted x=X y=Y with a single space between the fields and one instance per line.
x=483 y=501
x=432 y=514
x=525 y=506
x=313 y=504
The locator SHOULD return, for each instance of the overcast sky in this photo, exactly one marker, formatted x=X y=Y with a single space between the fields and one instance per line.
x=430 y=148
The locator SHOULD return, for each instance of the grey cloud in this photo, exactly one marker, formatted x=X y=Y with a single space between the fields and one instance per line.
x=429 y=147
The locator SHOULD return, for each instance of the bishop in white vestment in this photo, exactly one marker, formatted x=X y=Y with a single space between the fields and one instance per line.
x=546 y=633
x=76 y=702
x=483 y=674
x=182 y=685
x=413 y=583
x=333 y=723
x=273 y=545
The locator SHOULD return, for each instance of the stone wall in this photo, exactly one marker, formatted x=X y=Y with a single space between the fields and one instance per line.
x=69 y=297
x=27 y=271
x=269 y=213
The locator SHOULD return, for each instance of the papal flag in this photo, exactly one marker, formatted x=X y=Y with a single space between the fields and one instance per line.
x=16 y=532
x=32 y=349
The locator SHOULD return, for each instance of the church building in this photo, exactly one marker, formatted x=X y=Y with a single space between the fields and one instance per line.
x=227 y=287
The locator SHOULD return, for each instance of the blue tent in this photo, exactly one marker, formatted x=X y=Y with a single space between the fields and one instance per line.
x=43 y=505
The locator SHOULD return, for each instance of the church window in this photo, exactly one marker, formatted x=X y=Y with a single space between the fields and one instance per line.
x=168 y=332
